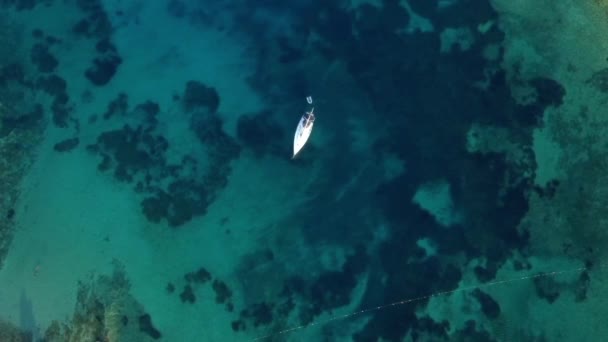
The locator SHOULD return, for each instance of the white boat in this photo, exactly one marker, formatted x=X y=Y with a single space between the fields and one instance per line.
x=303 y=130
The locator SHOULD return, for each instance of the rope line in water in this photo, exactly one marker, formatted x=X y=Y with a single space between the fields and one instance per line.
x=416 y=299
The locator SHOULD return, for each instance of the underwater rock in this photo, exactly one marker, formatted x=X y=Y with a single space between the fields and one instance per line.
x=150 y=110
x=99 y=314
x=188 y=199
x=547 y=288
x=238 y=325
x=10 y=214
x=106 y=163
x=222 y=292
x=12 y=333
x=259 y=313
x=209 y=131
x=82 y=27
x=149 y=107
x=13 y=119
x=548 y=92
x=104 y=45
x=146 y=326
x=519 y=265
x=12 y=72
x=450 y=276
x=138 y=156
x=221 y=150
x=423 y=278
x=582 y=286
x=549 y=190
x=181 y=209
x=61 y=110
x=156 y=208
x=489 y=306
x=118 y=106
x=529 y=115
x=262 y=134
x=331 y=290
x=52 y=85
x=483 y=182
x=50 y=40
x=485 y=274
x=327 y=291
x=133 y=150
x=198 y=95
x=187 y=295
x=96 y=24
x=285 y=307
x=201 y=276
x=66 y=145
x=43 y=59
x=37 y=33
x=103 y=69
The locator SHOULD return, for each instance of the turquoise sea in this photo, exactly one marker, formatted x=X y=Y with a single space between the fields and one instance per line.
x=453 y=188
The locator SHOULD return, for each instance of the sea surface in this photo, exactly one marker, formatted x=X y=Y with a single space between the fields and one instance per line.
x=453 y=188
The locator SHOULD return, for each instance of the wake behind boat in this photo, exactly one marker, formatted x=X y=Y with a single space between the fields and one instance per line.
x=304 y=129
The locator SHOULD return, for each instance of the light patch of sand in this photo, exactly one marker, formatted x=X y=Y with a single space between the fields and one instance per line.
x=436 y=199
x=161 y=53
x=548 y=154
x=65 y=213
x=73 y=221
x=456 y=38
x=568 y=45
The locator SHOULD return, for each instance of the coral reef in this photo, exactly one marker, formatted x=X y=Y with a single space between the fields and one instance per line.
x=137 y=154
x=201 y=276
x=66 y=145
x=104 y=312
x=489 y=306
x=10 y=333
x=43 y=59
x=103 y=69
x=199 y=96
x=187 y=295
x=571 y=219
x=21 y=128
x=20 y=107
x=146 y=326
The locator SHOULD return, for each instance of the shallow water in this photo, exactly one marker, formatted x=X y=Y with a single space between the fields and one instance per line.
x=452 y=188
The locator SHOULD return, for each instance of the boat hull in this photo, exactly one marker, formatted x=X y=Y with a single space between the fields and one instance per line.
x=302 y=134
